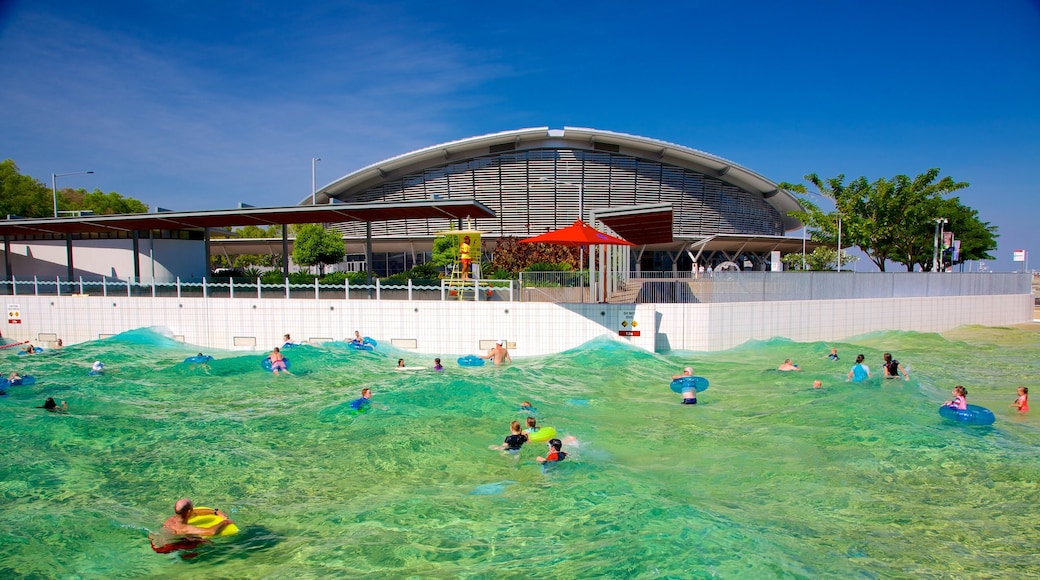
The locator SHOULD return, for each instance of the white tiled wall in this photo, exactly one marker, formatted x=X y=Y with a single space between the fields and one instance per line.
x=530 y=328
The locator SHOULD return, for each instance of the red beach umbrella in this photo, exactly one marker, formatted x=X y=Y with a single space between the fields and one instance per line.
x=577 y=234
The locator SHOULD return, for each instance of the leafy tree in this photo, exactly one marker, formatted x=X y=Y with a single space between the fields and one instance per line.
x=889 y=219
x=98 y=202
x=315 y=245
x=28 y=197
x=23 y=195
x=820 y=259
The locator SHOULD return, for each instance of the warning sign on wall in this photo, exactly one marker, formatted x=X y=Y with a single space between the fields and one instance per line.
x=627 y=323
x=14 y=314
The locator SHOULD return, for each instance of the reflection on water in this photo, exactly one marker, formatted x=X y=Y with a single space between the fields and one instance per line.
x=765 y=477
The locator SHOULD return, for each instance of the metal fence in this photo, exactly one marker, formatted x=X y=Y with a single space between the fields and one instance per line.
x=476 y=290
x=568 y=287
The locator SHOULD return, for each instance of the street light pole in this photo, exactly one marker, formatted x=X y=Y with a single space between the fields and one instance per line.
x=314 y=162
x=54 y=185
x=839 y=242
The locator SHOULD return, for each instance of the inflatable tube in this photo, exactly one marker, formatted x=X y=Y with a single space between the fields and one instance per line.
x=289 y=345
x=35 y=350
x=198 y=360
x=542 y=434
x=973 y=415
x=471 y=360
x=26 y=380
x=210 y=520
x=266 y=363
x=94 y=373
x=699 y=383
x=366 y=344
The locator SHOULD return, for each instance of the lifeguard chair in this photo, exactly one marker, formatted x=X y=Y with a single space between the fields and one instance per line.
x=465 y=267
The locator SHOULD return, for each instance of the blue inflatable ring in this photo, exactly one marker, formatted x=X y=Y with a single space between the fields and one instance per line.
x=682 y=383
x=197 y=360
x=973 y=415
x=26 y=380
x=366 y=344
x=35 y=350
x=471 y=360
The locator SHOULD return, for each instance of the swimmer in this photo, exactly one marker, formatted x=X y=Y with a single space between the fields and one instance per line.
x=288 y=341
x=686 y=372
x=14 y=376
x=833 y=355
x=53 y=407
x=30 y=349
x=788 y=366
x=526 y=407
x=278 y=362
x=960 y=399
x=892 y=368
x=358 y=340
x=400 y=363
x=532 y=426
x=1022 y=402
x=499 y=354
x=689 y=394
x=364 y=402
x=555 y=453
x=437 y=366
x=817 y=384
x=513 y=442
x=98 y=368
x=177 y=533
x=859 y=372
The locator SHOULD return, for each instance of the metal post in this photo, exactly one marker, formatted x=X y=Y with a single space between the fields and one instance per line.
x=314 y=161
x=104 y=286
x=57 y=282
x=839 y=242
x=178 y=286
x=258 y=288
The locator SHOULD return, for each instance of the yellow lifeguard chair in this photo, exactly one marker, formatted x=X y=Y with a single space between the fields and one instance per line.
x=465 y=268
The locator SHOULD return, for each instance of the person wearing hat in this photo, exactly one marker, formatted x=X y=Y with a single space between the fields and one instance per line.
x=499 y=354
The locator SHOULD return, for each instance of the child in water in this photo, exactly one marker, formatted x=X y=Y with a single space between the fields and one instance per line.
x=833 y=355
x=513 y=442
x=960 y=399
x=1022 y=402
x=437 y=366
x=555 y=453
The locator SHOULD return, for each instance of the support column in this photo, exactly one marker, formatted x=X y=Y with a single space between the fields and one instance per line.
x=285 y=251
x=68 y=255
x=137 y=256
x=368 y=252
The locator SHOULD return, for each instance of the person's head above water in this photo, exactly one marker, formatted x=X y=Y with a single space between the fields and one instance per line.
x=183 y=507
x=366 y=393
x=688 y=371
x=860 y=358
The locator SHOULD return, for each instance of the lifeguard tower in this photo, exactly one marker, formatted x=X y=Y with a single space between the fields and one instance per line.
x=465 y=267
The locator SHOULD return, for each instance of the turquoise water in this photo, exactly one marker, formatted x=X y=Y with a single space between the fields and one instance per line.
x=766 y=477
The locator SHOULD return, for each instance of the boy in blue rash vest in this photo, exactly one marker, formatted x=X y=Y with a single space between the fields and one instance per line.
x=364 y=403
x=859 y=372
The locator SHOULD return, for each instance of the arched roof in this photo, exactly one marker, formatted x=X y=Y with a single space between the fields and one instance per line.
x=568 y=137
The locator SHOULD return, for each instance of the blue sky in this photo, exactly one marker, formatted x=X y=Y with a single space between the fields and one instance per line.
x=190 y=105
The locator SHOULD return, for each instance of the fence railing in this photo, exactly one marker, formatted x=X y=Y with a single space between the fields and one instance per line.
x=567 y=287
x=476 y=290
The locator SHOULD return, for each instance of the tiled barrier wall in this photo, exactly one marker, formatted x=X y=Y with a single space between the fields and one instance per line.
x=530 y=329
x=432 y=327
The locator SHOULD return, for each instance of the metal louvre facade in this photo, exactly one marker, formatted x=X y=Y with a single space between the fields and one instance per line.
x=536 y=190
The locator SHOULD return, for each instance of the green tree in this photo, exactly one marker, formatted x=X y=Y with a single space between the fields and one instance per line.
x=513 y=257
x=98 y=202
x=23 y=195
x=315 y=245
x=888 y=219
x=820 y=259
x=244 y=261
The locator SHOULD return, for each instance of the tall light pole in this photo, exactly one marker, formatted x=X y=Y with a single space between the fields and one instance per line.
x=54 y=185
x=935 y=253
x=314 y=163
x=839 y=242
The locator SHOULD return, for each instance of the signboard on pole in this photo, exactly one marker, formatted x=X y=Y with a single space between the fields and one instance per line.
x=627 y=323
x=14 y=314
x=1020 y=256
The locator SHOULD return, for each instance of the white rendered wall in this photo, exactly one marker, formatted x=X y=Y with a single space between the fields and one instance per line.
x=450 y=328
x=112 y=259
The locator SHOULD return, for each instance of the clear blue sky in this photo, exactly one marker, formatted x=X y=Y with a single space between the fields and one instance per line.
x=191 y=105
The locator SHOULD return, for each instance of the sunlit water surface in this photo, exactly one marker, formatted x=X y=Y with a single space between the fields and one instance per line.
x=765 y=477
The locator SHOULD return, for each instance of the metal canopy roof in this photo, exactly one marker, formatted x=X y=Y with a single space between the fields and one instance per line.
x=259 y=216
x=639 y=224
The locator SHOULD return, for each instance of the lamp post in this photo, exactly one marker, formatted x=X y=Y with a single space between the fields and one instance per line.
x=939 y=222
x=54 y=185
x=314 y=163
x=839 y=242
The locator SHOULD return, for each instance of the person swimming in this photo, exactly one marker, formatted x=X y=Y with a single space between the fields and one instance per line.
x=960 y=399
x=437 y=366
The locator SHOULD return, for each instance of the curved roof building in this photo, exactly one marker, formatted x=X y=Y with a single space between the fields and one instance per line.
x=536 y=179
